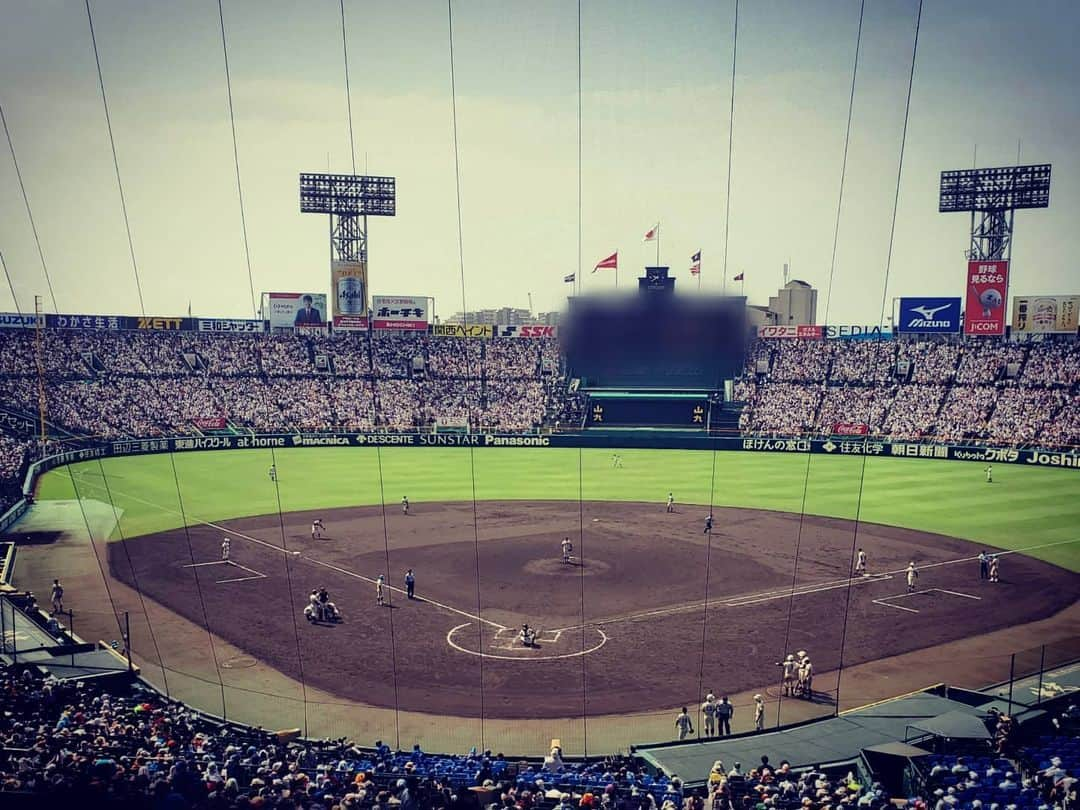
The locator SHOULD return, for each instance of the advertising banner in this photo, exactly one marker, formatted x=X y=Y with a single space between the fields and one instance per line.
x=13 y=320
x=801 y=331
x=229 y=325
x=209 y=422
x=399 y=312
x=856 y=332
x=929 y=315
x=165 y=324
x=987 y=284
x=349 y=282
x=473 y=330
x=286 y=310
x=527 y=330
x=1045 y=314
x=850 y=429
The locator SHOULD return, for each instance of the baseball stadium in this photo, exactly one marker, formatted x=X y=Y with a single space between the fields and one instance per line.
x=715 y=536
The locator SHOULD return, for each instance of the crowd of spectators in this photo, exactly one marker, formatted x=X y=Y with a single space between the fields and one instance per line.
x=987 y=390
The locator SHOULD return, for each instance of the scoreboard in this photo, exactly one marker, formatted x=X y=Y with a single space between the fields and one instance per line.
x=626 y=409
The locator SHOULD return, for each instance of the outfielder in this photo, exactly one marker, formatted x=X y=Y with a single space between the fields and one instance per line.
x=567 y=547
x=912 y=576
x=989 y=474
x=272 y=472
x=226 y=549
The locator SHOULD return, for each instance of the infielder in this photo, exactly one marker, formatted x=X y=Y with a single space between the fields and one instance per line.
x=405 y=505
x=860 y=563
x=671 y=502
x=708 y=711
x=317 y=528
x=912 y=576
x=380 y=591
x=708 y=525
x=567 y=547
x=226 y=549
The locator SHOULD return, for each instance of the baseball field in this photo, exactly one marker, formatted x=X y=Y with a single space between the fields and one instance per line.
x=650 y=612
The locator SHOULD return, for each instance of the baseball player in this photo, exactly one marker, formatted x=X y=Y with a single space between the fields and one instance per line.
x=684 y=724
x=317 y=528
x=405 y=505
x=708 y=711
x=226 y=549
x=759 y=713
x=567 y=547
x=708 y=524
x=410 y=583
x=57 y=596
x=994 y=569
x=989 y=474
x=912 y=576
x=380 y=591
x=616 y=460
x=860 y=563
x=272 y=472
x=806 y=677
x=671 y=502
x=788 y=686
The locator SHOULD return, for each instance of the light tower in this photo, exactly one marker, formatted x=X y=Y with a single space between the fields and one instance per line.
x=992 y=197
x=349 y=199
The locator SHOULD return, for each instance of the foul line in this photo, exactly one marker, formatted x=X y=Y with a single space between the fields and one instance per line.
x=885 y=601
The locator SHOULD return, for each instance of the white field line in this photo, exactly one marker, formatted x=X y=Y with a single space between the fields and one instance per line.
x=735 y=601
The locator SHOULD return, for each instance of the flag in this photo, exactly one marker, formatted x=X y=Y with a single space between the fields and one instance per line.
x=569 y=278
x=695 y=264
x=652 y=233
x=739 y=277
x=610 y=263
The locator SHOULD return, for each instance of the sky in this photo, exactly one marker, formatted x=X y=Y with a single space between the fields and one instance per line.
x=990 y=77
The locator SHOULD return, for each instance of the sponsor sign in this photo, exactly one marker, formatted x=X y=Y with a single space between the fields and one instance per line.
x=929 y=315
x=399 y=312
x=349 y=282
x=229 y=325
x=287 y=310
x=1043 y=314
x=473 y=330
x=209 y=422
x=987 y=284
x=805 y=331
x=530 y=330
x=90 y=322
x=856 y=332
x=13 y=320
x=165 y=324
x=850 y=429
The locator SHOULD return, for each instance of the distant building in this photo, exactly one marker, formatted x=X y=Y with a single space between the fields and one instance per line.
x=794 y=303
x=503 y=316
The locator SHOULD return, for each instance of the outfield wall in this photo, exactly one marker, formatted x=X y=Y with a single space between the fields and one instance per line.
x=592 y=439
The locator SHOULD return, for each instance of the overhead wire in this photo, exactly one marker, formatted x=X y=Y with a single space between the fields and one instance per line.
x=116 y=161
x=465 y=343
x=580 y=453
x=881 y=310
x=378 y=448
x=828 y=304
x=29 y=215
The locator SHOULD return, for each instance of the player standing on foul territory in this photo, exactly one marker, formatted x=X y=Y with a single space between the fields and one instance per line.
x=912 y=576
x=860 y=563
x=989 y=474
x=405 y=505
x=317 y=528
x=226 y=549
x=671 y=502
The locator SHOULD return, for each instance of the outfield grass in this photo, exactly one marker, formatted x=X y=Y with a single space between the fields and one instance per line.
x=1025 y=506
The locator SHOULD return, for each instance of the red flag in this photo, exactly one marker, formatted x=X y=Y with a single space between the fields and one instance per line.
x=610 y=263
x=739 y=277
x=652 y=233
